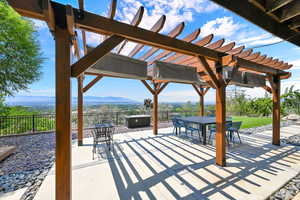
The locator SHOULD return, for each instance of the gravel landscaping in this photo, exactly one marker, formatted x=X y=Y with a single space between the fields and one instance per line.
x=35 y=155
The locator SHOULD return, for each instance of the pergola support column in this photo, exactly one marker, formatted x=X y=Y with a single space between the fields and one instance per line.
x=80 y=110
x=201 y=105
x=219 y=84
x=63 y=171
x=155 y=113
x=157 y=88
x=201 y=92
x=220 y=125
x=276 y=109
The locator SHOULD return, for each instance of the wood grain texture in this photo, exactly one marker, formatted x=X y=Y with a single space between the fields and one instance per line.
x=276 y=110
x=220 y=122
x=63 y=115
x=134 y=22
x=80 y=110
x=92 y=83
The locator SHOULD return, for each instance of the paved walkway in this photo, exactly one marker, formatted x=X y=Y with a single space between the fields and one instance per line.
x=143 y=166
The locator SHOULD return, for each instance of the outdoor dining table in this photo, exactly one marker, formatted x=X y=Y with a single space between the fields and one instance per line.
x=202 y=121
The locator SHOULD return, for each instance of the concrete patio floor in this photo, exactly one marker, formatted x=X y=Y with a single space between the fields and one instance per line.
x=143 y=166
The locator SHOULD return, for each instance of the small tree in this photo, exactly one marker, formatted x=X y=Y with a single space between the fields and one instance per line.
x=291 y=100
x=148 y=105
x=20 y=57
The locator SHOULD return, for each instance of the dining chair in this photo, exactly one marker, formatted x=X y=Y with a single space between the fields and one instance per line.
x=213 y=130
x=192 y=127
x=234 y=129
x=175 y=126
x=102 y=134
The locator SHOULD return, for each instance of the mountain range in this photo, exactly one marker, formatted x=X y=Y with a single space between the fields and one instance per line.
x=50 y=100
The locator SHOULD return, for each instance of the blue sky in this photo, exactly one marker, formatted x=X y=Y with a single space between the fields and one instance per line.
x=196 y=14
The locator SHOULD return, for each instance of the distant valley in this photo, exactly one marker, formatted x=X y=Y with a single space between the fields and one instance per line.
x=50 y=101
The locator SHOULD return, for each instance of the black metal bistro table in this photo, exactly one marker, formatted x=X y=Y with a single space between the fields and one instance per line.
x=203 y=122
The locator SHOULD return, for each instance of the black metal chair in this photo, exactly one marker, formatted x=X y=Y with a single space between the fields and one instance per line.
x=213 y=129
x=102 y=133
x=192 y=127
x=177 y=124
x=235 y=127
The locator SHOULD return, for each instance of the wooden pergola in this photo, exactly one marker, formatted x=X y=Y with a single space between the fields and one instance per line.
x=210 y=61
x=279 y=17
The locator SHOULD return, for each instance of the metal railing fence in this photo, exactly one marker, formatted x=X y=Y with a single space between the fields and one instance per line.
x=46 y=122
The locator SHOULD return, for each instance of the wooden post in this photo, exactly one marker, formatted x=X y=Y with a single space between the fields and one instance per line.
x=201 y=103
x=80 y=110
x=276 y=110
x=220 y=121
x=63 y=170
x=155 y=113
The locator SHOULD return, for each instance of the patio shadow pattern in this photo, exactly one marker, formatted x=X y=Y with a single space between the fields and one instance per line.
x=166 y=166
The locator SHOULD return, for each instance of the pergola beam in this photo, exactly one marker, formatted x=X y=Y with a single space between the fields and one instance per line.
x=248 y=64
x=162 y=87
x=93 y=82
x=97 y=53
x=271 y=5
x=209 y=71
x=102 y=25
x=259 y=17
x=201 y=92
x=148 y=86
x=134 y=22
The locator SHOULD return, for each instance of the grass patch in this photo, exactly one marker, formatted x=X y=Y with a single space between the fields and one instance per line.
x=250 y=122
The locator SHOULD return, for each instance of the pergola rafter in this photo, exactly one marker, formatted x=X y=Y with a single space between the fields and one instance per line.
x=209 y=59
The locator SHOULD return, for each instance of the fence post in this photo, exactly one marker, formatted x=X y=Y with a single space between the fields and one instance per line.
x=167 y=115
x=117 y=118
x=33 y=124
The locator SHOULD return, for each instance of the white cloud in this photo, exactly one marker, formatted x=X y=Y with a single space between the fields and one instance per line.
x=296 y=64
x=38 y=24
x=38 y=92
x=240 y=33
x=289 y=83
x=93 y=39
x=176 y=11
x=223 y=27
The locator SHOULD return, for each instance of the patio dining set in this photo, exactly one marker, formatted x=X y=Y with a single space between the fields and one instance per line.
x=200 y=125
x=103 y=132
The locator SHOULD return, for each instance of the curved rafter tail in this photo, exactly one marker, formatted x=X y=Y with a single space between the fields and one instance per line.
x=191 y=59
x=134 y=22
x=83 y=34
x=189 y=38
x=111 y=13
x=204 y=41
x=236 y=50
x=155 y=28
x=178 y=58
x=112 y=9
x=253 y=56
x=267 y=60
x=226 y=47
x=216 y=44
x=173 y=33
x=245 y=53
